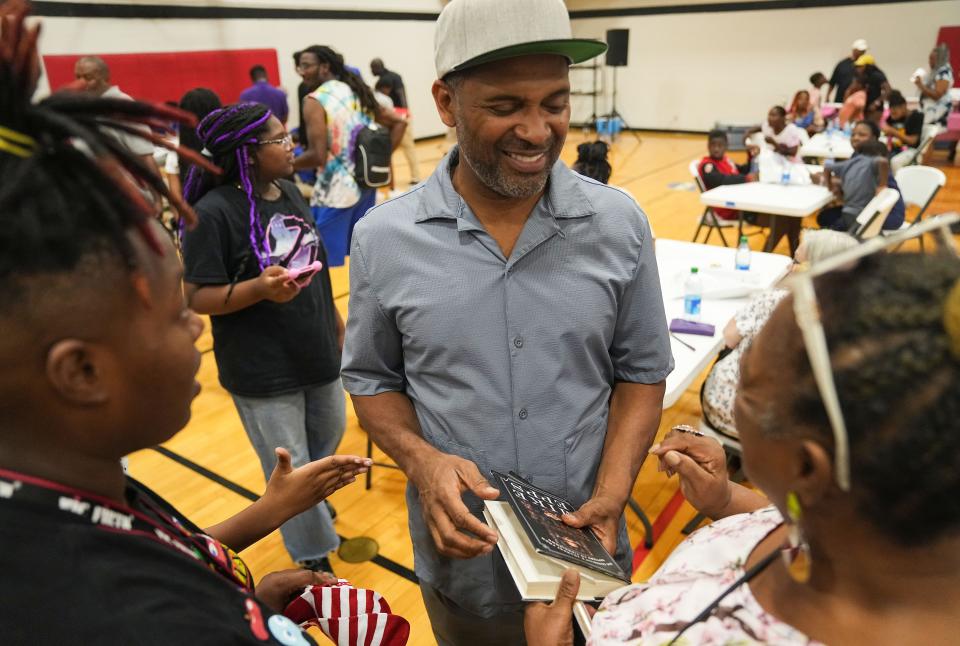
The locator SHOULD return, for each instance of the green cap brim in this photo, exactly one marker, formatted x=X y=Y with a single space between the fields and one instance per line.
x=576 y=50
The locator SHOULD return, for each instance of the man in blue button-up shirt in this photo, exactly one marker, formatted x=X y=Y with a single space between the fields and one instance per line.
x=505 y=315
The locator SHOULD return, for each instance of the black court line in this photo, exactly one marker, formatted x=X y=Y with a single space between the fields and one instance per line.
x=723 y=7
x=379 y=559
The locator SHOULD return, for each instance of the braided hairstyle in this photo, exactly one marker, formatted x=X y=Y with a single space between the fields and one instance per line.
x=68 y=188
x=364 y=94
x=199 y=102
x=897 y=372
x=228 y=135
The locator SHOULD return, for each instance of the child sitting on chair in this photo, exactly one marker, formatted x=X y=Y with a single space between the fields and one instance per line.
x=856 y=181
x=717 y=169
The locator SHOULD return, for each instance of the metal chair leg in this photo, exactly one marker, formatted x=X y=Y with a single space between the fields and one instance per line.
x=647 y=527
x=693 y=524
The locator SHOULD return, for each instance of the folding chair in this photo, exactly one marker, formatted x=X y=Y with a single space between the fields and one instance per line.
x=918 y=186
x=709 y=219
x=927 y=135
x=874 y=214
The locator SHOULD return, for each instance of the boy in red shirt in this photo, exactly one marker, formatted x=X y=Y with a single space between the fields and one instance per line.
x=716 y=169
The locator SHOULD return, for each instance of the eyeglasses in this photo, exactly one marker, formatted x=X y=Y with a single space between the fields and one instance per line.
x=286 y=140
x=807 y=312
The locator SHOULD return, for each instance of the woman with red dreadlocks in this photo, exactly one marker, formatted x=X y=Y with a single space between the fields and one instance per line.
x=99 y=361
x=257 y=266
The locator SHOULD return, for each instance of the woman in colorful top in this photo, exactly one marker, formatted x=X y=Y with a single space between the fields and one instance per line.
x=935 y=87
x=876 y=562
x=256 y=265
x=804 y=114
x=720 y=388
x=339 y=103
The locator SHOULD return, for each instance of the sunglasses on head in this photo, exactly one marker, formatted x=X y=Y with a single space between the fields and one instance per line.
x=807 y=312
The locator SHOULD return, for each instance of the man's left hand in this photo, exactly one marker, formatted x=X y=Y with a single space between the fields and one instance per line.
x=602 y=515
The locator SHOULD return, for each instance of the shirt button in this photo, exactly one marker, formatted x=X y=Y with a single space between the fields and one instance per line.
x=518 y=342
x=522 y=414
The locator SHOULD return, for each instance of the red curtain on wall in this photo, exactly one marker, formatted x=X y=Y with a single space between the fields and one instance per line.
x=951 y=36
x=167 y=76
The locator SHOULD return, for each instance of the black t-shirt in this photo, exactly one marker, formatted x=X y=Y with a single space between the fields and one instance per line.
x=67 y=581
x=302 y=92
x=268 y=348
x=911 y=125
x=874 y=79
x=842 y=78
x=393 y=80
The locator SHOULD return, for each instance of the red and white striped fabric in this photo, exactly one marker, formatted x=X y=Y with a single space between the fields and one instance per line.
x=349 y=616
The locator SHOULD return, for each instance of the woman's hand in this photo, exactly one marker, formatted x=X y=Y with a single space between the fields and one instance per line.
x=702 y=466
x=291 y=491
x=274 y=284
x=552 y=625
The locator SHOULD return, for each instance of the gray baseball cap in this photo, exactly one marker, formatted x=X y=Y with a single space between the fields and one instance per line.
x=473 y=32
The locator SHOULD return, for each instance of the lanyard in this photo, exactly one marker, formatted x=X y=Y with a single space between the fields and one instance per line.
x=107 y=515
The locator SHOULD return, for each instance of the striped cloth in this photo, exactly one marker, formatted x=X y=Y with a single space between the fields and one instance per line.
x=349 y=616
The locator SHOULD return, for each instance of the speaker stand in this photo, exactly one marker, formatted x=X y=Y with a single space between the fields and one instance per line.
x=615 y=114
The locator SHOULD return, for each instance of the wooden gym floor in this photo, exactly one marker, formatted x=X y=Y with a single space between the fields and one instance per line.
x=653 y=167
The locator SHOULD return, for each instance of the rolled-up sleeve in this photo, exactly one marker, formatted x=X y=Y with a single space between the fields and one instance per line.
x=641 y=346
x=373 y=349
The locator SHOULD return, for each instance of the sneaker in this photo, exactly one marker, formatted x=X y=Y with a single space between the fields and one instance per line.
x=331 y=509
x=317 y=565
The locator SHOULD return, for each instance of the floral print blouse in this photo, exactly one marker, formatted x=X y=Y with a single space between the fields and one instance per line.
x=696 y=573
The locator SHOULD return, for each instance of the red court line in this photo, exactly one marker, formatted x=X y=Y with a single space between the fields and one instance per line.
x=640 y=552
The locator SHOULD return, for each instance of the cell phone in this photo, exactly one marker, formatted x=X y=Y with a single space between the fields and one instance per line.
x=301 y=273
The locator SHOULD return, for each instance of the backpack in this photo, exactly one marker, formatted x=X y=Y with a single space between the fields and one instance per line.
x=371 y=156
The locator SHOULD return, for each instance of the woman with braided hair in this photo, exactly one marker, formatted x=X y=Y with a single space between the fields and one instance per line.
x=99 y=361
x=257 y=266
x=855 y=538
x=338 y=103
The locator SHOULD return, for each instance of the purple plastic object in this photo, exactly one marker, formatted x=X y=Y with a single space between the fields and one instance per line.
x=681 y=326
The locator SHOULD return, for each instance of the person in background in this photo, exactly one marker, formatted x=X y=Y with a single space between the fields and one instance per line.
x=93 y=75
x=339 y=102
x=277 y=335
x=303 y=89
x=857 y=180
x=717 y=169
x=783 y=137
x=869 y=558
x=391 y=84
x=871 y=79
x=804 y=114
x=817 y=81
x=853 y=108
x=199 y=102
x=720 y=388
x=843 y=73
x=262 y=92
x=935 y=87
x=904 y=128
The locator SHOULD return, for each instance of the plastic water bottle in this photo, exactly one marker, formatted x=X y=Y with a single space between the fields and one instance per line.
x=742 y=261
x=692 y=291
x=785 y=172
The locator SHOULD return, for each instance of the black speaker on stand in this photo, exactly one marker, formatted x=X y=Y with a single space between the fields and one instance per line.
x=618 y=45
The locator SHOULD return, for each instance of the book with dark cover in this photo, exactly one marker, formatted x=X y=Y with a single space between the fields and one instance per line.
x=540 y=514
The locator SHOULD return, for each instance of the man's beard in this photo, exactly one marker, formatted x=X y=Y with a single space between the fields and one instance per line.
x=487 y=164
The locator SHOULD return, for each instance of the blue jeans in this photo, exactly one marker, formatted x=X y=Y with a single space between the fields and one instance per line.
x=310 y=424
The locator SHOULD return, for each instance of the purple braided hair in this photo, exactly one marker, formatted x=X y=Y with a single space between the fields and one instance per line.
x=262 y=248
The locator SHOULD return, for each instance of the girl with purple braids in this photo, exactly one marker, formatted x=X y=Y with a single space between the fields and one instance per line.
x=255 y=263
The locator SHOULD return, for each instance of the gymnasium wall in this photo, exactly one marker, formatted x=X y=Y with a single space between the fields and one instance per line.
x=688 y=70
x=688 y=67
x=405 y=42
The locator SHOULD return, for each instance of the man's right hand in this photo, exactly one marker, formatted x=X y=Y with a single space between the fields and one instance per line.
x=274 y=285
x=456 y=532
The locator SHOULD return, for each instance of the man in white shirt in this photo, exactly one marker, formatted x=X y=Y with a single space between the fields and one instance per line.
x=94 y=75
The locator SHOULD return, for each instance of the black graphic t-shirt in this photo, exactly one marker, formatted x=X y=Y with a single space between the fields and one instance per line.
x=268 y=348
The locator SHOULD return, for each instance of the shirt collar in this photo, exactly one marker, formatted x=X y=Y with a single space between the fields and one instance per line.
x=564 y=197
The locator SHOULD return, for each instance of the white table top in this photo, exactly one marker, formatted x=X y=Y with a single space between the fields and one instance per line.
x=674 y=259
x=824 y=148
x=793 y=200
